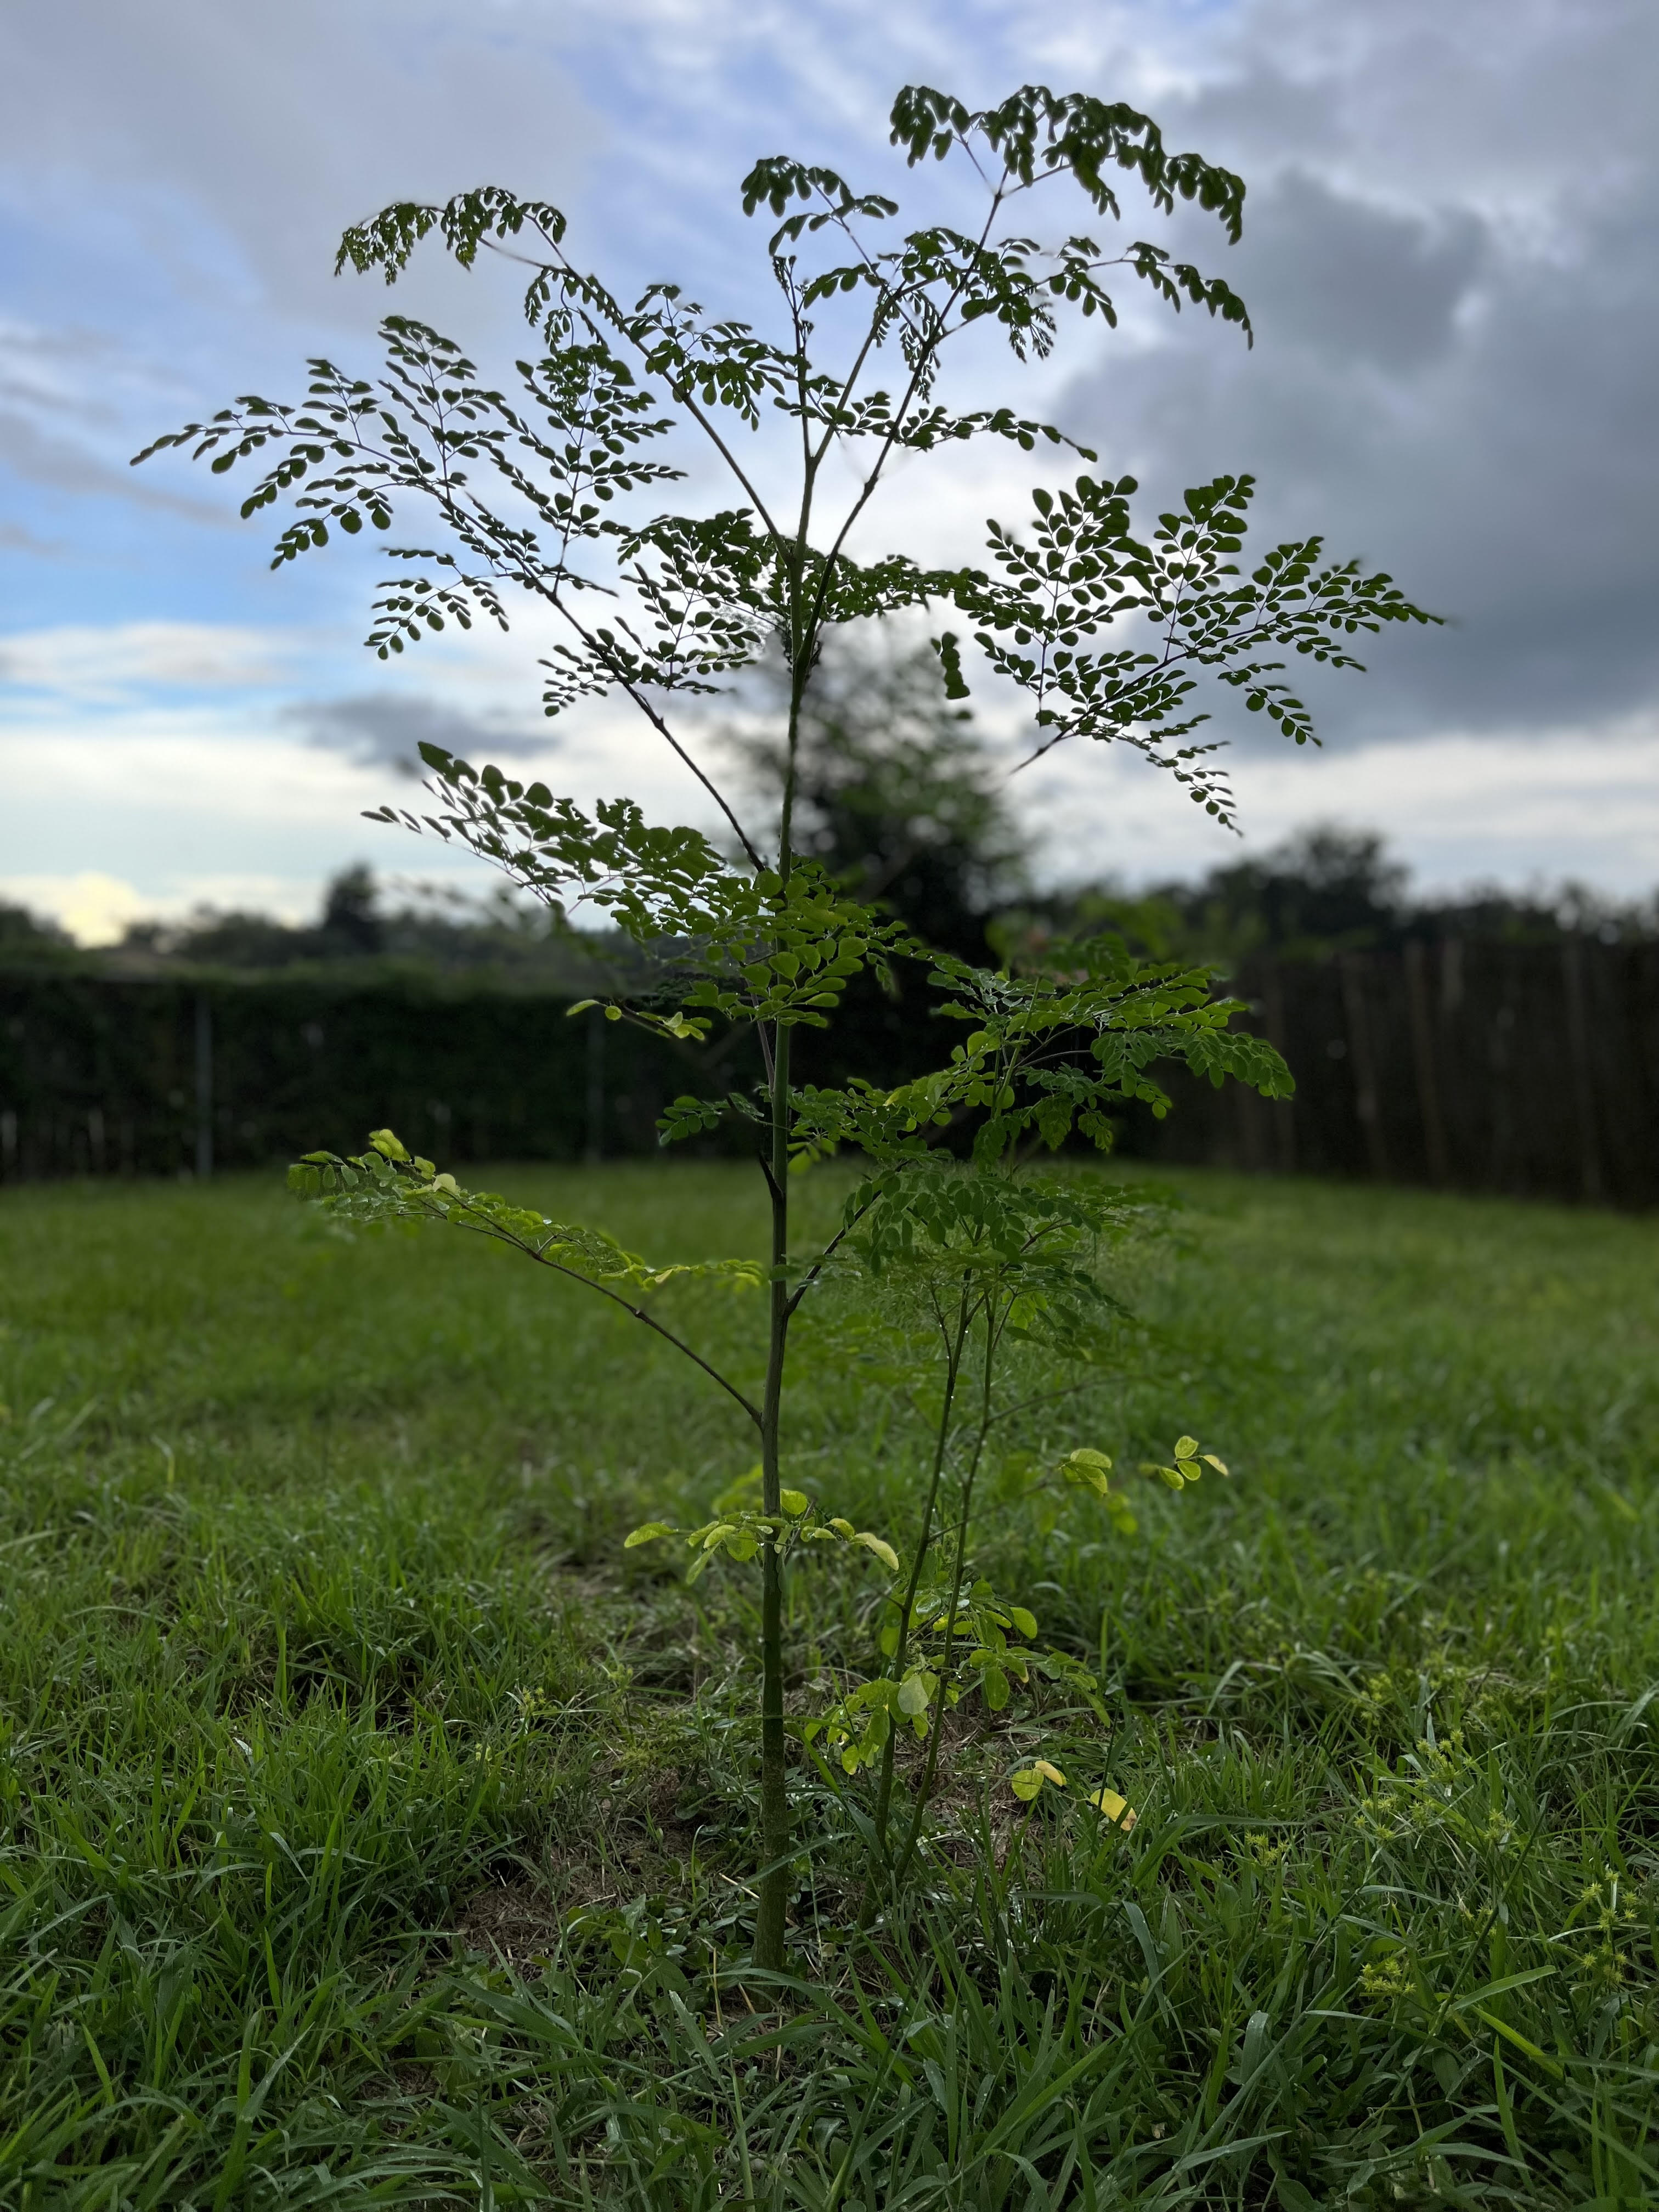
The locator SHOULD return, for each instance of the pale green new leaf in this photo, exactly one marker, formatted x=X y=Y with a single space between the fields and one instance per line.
x=647 y=1533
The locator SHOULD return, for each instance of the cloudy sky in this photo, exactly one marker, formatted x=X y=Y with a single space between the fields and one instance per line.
x=1448 y=253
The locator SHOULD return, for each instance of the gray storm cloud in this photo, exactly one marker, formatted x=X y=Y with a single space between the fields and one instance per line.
x=1448 y=253
x=1449 y=256
x=377 y=727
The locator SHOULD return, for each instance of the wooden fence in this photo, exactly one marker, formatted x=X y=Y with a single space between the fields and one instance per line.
x=1529 y=1069
x=119 y=1076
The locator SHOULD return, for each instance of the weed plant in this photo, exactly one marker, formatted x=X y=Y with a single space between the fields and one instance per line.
x=364 y=1842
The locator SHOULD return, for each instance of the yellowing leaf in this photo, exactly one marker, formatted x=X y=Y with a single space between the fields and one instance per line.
x=1117 y=1809
x=793 y=1502
x=1210 y=1460
x=1026 y=1781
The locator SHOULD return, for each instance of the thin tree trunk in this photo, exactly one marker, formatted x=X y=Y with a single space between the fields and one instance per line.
x=772 y=1909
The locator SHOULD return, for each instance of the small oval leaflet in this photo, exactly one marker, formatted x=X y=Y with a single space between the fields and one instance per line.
x=883 y=1550
x=1117 y=1809
x=1027 y=1780
x=647 y=1533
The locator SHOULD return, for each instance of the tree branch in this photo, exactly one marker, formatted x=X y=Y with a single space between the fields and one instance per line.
x=639 y=1313
x=486 y=1228
x=823 y=1260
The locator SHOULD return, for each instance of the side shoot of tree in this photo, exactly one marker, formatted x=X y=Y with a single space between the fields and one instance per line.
x=553 y=489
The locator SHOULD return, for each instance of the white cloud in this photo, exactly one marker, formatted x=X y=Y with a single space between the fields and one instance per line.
x=224 y=805
x=1458 y=809
x=176 y=810
x=82 y=662
x=94 y=907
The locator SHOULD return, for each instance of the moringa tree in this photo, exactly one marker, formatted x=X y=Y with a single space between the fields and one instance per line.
x=1107 y=627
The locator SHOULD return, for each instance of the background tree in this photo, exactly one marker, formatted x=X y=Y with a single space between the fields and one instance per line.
x=554 y=491
x=896 y=794
x=362 y=921
x=1326 y=885
x=27 y=935
x=1325 y=889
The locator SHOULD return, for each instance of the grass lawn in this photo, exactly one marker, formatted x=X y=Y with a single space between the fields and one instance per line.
x=361 y=1839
